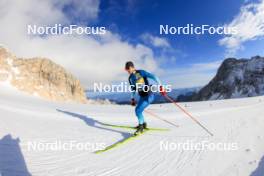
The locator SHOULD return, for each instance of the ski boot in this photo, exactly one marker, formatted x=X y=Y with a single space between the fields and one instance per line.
x=144 y=126
x=139 y=130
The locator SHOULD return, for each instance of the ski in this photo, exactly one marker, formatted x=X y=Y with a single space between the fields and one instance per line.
x=131 y=137
x=120 y=142
x=130 y=127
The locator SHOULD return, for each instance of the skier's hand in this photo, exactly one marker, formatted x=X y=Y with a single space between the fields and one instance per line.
x=162 y=91
x=133 y=102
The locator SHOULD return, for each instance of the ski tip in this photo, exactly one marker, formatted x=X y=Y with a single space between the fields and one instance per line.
x=99 y=151
x=119 y=143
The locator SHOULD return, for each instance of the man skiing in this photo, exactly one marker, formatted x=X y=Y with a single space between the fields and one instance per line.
x=138 y=80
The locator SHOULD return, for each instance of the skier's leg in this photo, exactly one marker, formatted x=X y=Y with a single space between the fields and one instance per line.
x=151 y=98
x=142 y=104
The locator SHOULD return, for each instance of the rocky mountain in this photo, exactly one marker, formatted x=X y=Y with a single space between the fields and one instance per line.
x=234 y=79
x=40 y=76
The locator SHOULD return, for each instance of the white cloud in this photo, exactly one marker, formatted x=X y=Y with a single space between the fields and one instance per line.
x=155 y=41
x=250 y=26
x=88 y=58
x=198 y=74
x=209 y=66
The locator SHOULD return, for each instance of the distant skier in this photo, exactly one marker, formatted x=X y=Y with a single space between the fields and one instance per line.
x=138 y=80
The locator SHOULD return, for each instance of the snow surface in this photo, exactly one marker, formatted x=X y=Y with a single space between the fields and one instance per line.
x=26 y=119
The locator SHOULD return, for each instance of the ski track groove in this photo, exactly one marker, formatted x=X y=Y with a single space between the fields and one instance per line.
x=135 y=153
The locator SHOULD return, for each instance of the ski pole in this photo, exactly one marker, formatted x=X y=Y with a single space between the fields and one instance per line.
x=187 y=113
x=154 y=115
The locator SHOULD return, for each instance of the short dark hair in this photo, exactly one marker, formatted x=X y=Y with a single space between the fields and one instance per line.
x=129 y=64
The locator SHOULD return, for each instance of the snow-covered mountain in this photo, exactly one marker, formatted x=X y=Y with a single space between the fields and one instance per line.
x=235 y=78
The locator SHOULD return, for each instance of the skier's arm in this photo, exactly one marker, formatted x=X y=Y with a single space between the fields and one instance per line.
x=133 y=94
x=157 y=80
x=133 y=89
x=153 y=77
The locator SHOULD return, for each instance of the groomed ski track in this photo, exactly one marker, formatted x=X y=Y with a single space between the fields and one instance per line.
x=32 y=119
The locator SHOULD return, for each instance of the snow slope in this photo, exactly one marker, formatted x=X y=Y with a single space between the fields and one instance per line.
x=26 y=119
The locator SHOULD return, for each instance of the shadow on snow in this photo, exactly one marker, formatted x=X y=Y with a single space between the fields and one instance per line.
x=12 y=162
x=96 y=124
x=260 y=169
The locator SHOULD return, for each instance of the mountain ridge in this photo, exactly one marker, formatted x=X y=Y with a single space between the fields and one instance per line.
x=40 y=76
x=235 y=78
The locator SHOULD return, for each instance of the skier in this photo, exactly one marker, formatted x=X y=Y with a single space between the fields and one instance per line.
x=138 y=80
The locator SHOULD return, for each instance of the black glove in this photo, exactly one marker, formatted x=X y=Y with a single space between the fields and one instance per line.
x=133 y=102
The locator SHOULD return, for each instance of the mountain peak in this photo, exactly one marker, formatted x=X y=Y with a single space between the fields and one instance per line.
x=40 y=76
x=235 y=78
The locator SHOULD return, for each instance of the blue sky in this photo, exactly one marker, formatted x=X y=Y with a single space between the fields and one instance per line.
x=133 y=18
x=133 y=33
